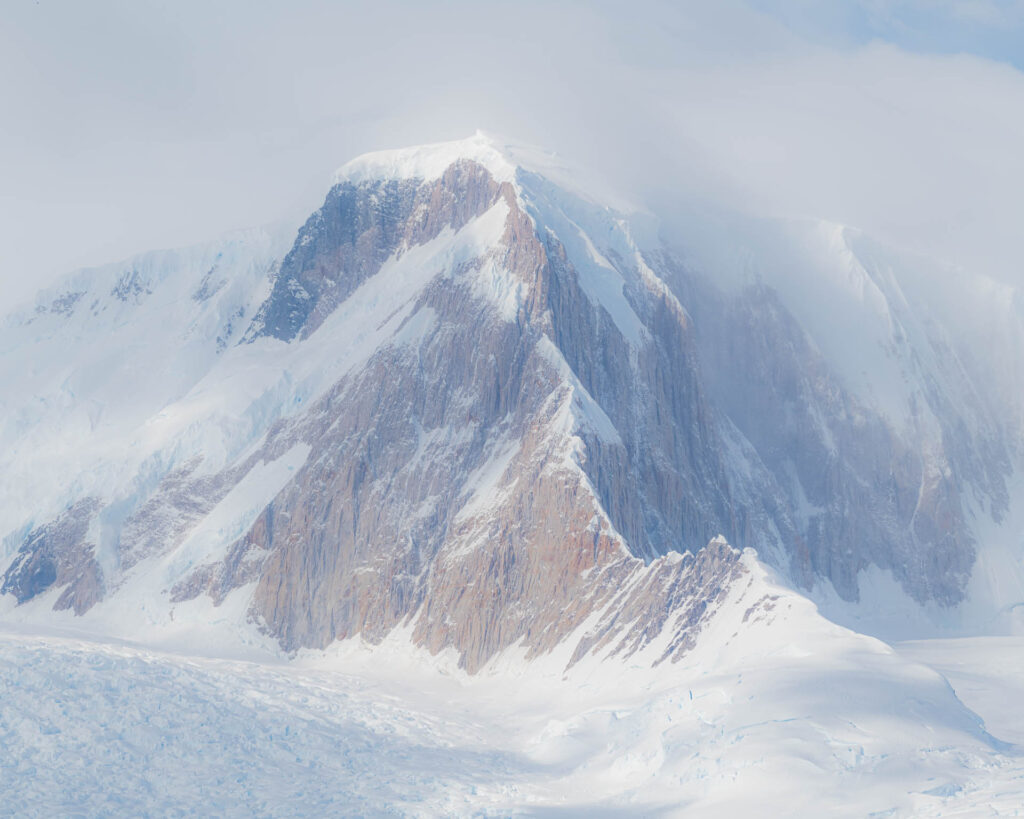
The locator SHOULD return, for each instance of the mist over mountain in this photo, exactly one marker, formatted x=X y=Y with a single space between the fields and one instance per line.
x=475 y=413
x=138 y=128
x=654 y=452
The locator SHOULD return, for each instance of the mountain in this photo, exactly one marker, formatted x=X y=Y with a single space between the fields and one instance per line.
x=467 y=399
x=479 y=416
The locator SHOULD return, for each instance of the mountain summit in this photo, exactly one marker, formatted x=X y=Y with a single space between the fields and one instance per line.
x=465 y=420
x=466 y=403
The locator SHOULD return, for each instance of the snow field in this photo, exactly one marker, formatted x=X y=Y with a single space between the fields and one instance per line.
x=788 y=716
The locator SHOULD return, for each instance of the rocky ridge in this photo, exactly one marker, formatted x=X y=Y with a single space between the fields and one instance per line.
x=529 y=428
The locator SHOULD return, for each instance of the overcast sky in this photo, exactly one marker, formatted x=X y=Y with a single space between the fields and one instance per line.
x=126 y=126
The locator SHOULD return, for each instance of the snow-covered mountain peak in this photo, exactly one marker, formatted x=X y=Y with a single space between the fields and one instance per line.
x=429 y=162
x=466 y=365
x=467 y=419
x=505 y=160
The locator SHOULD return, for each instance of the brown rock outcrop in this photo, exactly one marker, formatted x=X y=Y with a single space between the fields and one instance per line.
x=57 y=555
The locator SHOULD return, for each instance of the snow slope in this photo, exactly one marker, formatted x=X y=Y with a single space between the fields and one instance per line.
x=987 y=673
x=776 y=713
x=87 y=368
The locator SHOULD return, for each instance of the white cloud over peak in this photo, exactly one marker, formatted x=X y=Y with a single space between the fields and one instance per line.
x=132 y=127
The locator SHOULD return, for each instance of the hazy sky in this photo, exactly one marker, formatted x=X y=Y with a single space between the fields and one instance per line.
x=131 y=125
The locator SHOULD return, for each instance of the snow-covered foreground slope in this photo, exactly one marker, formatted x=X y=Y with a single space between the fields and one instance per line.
x=774 y=713
x=987 y=673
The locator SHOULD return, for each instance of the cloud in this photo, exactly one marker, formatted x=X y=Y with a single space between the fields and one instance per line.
x=918 y=150
x=136 y=126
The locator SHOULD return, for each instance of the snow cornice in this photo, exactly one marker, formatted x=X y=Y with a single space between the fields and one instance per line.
x=429 y=162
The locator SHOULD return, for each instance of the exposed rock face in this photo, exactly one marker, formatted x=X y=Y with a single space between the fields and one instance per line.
x=860 y=492
x=595 y=446
x=674 y=595
x=355 y=232
x=521 y=448
x=180 y=501
x=59 y=555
